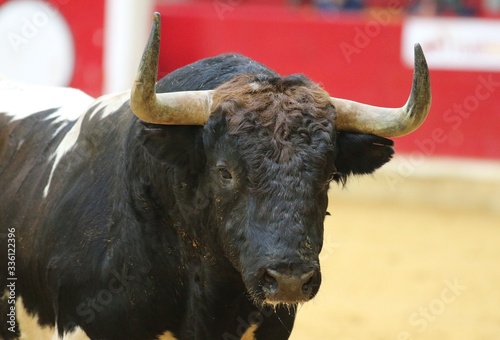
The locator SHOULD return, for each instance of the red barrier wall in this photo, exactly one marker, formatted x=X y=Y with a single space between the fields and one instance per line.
x=86 y=20
x=353 y=55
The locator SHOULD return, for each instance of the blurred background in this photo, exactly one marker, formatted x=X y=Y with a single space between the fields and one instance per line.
x=412 y=252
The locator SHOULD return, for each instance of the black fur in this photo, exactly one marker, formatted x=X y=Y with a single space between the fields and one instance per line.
x=151 y=228
x=361 y=154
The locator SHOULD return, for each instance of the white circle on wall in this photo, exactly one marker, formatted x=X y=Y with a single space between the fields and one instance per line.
x=36 y=44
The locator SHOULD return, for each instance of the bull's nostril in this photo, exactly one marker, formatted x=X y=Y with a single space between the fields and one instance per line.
x=269 y=281
x=308 y=285
x=287 y=286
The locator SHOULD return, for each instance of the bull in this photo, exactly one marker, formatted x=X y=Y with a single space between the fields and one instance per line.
x=190 y=208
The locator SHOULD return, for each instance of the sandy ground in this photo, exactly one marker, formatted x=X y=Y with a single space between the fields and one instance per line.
x=408 y=268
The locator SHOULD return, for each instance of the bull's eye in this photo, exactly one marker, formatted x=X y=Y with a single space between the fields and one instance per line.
x=224 y=172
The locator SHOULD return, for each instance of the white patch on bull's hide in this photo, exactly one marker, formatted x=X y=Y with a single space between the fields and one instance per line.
x=66 y=144
x=19 y=100
x=248 y=335
x=167 y=336
x=30 y=329
x=250 y=332
x=254 y=86
x=76 y=334
x=28 y=324
x=109 y=104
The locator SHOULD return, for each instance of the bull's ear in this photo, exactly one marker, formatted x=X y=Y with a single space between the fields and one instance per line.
x=360 y=154
x=173 y=145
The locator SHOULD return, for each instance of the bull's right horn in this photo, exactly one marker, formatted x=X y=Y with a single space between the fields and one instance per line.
x=173 y=108
x=389 y=122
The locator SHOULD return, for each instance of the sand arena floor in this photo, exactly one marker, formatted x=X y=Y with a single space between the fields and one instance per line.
x=410 y=256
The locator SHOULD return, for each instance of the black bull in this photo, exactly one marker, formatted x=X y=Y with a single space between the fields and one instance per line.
x=128 y=230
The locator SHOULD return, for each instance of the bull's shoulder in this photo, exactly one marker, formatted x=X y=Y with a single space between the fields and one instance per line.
x=208 y=73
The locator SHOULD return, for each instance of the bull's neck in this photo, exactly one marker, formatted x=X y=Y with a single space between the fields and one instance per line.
x=166 y=197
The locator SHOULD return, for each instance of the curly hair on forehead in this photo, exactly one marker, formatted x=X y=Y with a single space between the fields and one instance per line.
x=285 y=108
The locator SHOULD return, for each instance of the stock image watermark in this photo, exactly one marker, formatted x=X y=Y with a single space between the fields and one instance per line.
x=363 y=36
x=93 y=305
x=30 y=25
x=330 y=247
x=253 y=321
x=429 y=313
x=11 y=279
x=222 y=7
x=454 y=118
x=104 y=297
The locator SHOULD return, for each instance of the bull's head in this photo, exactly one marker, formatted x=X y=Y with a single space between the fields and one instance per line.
x=272 y=146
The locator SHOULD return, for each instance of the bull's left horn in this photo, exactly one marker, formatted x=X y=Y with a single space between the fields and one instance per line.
x=173 y=108
x=389 y=122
